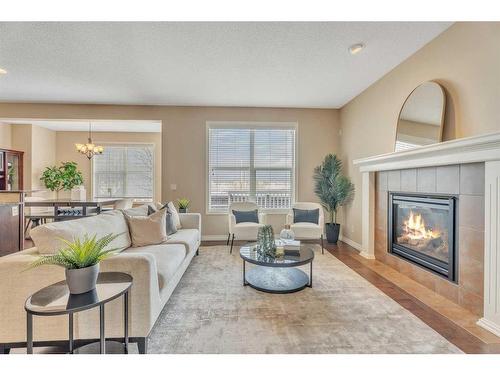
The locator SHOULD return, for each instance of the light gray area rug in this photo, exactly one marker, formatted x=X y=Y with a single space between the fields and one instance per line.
x=212 y=312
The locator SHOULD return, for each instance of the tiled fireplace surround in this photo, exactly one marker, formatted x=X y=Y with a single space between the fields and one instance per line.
x=467 y=182
x=468 y=168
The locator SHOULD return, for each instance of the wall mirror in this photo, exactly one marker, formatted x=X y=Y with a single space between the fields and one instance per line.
x=421 y=118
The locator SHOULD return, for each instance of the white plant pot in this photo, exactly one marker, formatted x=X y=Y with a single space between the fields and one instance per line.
x=78 y=193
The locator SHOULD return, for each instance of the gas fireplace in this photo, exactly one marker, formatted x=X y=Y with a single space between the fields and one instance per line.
x=422 y=230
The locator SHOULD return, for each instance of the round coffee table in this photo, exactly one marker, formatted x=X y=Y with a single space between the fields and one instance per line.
x=55 y=299
x=276 y=275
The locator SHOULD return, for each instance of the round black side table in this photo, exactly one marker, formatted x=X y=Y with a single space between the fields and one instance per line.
x=55 y=300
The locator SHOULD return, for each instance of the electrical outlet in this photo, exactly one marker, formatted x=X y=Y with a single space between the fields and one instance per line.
x=15 y=211
x=173 y=187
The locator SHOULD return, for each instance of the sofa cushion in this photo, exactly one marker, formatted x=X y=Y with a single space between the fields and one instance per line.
x=47 y=237
x=171 y=226
x=188 y=237
x=168 y=259
x=137 y=211
x=148 y=230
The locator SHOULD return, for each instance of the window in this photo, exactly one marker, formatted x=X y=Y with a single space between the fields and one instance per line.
x=250 y=162
x=124 y=171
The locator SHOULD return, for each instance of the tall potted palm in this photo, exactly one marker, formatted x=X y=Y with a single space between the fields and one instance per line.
x=333 y=190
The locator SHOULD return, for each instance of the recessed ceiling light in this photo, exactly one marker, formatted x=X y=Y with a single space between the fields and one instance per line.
x=3 y=71
x=356 y=48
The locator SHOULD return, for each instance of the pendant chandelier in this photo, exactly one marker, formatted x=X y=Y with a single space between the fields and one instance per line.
x=89 y=149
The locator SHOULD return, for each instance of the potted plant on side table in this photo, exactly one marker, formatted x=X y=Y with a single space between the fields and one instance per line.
x=81 y=260
x=333 y=190
x=183 y=205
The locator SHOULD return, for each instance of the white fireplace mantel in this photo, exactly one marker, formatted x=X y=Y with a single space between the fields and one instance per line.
x=482 y=148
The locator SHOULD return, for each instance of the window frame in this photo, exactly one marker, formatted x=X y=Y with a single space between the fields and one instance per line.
x=251 y=125
x=115 y=144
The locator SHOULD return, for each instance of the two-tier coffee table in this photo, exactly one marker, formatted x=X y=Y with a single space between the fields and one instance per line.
x=55 y=299
x=277 y=275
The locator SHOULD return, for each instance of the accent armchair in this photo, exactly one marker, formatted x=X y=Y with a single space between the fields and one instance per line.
x=304 y=230
x=243 y=230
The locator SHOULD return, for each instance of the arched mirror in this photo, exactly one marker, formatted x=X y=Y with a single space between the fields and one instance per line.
x=421 y=119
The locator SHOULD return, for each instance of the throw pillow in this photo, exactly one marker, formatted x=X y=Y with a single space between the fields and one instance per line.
x=170 y=226
x=148 y=230
x=246 y=216
x=175 y=214
x=306 y=216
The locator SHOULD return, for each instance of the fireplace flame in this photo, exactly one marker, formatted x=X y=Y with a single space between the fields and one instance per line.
x=415 y=228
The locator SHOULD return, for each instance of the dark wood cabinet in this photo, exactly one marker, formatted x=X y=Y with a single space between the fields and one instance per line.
x=11 y=221
x=11 y=170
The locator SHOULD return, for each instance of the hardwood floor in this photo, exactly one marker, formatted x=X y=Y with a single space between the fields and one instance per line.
x=447 y=328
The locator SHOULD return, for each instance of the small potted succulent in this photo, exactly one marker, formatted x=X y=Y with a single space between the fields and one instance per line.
x=183 y=204
x=81 y=259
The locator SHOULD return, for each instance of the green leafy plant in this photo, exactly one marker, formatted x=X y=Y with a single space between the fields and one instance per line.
x=65 y=177
x=79 y=253
x=183 y=203
x=331 y=186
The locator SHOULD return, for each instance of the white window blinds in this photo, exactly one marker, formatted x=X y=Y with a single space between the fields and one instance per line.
x=251 y=163
x=124 y=171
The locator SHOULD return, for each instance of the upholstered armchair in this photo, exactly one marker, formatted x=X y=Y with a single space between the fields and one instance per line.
x=243 y=230
x=306 y=230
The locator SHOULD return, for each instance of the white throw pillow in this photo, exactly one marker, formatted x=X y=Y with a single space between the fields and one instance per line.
x=47 y=237
x=148 y=230
x=175 y=215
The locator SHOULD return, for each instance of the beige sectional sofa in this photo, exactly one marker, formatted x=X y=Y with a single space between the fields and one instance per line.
x=156 y=270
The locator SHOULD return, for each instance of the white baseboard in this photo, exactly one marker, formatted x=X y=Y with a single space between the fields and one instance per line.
x=350 y=242
x=489 y=325
x=357 y=246
x=214 y=237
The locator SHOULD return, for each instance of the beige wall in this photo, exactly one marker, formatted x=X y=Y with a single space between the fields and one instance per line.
x=43 y=154
x=5 y=136
x=465 y=59
x=184 y=143
x=65 y=151
x=21 y=141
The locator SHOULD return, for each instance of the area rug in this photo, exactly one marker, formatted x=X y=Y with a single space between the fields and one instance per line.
x=212 y=312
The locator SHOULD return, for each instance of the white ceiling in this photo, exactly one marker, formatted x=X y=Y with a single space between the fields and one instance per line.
x=268 y=64
x=128 y=126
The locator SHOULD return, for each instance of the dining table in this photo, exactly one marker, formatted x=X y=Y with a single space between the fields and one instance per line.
x=64 y=209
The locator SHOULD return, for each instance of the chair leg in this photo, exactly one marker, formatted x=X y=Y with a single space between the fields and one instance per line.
x=142 y=345
x=322 y=248
x=228 y=237
x=232 y=240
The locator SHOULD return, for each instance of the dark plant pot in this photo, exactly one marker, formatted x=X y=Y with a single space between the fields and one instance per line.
x=82 y=280
x=183 y=210
x=332 y=232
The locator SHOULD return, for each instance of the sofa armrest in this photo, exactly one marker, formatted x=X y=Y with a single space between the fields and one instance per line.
x=191 y=221
x=17 y=285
